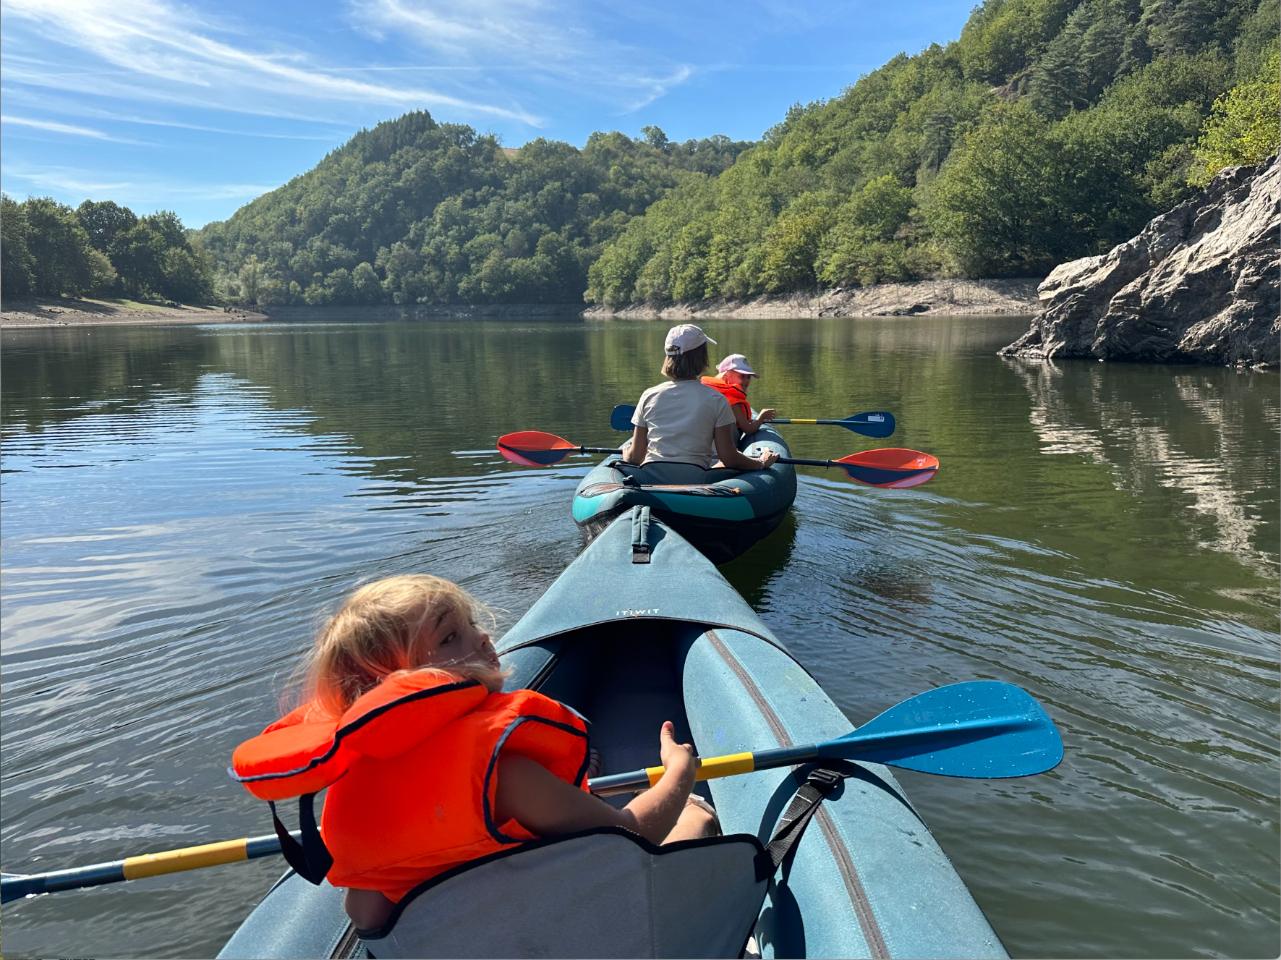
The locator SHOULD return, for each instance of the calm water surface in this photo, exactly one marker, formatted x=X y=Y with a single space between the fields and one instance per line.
x=180 y=504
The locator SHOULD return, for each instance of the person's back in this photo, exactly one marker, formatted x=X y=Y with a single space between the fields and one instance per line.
x=684 y=421
x=681 y=416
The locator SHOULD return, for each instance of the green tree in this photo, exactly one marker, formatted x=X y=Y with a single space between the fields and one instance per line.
x=1244 y=127
x=138 y=254
x=995 y=207
x=366 y=287
x=59 y=248
x=250 y=279
x=104 y=221
x=185 y=276
x=17 y=266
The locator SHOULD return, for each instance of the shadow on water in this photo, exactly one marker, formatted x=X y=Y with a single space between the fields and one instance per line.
x=752 y=573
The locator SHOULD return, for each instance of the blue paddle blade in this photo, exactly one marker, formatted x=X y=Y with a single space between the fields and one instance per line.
x=982 y=728
x=878 y=424
x=621 y=418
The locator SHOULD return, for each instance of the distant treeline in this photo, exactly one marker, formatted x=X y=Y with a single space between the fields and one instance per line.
x=49 y=249
x=414 y=211
x=1051 y=130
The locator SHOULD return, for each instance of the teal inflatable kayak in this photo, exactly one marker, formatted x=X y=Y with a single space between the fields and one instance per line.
x=639 y=629
x=721 y=512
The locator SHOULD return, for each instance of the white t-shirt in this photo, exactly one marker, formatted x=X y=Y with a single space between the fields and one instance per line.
x=681 y=416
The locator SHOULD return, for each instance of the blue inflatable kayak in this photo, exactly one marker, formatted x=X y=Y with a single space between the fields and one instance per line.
x=721 y=512
x=639 y=629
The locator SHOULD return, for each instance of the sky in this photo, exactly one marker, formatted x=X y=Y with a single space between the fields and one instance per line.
x=200 y=107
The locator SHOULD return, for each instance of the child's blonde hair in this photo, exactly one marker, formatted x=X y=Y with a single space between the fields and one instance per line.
x=379 y=630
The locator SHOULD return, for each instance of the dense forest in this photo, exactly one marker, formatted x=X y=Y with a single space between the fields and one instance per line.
x=98 y=248
x=1052 y=129
x=415 y=211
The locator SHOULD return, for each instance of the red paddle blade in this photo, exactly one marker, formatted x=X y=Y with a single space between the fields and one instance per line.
x=533 y=448
x=890 y=467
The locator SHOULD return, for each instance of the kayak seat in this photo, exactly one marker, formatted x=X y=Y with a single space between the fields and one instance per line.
x=600 y=893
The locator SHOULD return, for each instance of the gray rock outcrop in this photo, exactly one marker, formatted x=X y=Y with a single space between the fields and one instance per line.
x=1199 y=284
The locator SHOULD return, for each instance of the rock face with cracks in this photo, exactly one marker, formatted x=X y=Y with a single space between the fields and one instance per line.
x=1199 y=284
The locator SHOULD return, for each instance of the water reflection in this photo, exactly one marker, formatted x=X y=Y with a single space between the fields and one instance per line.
x=1192 y=432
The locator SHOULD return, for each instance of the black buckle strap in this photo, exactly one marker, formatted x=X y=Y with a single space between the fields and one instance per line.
x=311 y=859
x=625 y=478
x=818 y=785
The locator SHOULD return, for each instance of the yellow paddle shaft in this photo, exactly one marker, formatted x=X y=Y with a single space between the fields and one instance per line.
x=186 y=858
x=729 y=765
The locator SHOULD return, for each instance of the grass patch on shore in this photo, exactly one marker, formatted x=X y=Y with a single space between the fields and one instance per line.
x=122 y=303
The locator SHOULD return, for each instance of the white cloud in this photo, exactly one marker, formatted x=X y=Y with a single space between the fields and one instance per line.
x=65 y=106
x=53 y=126
x=71 y=181
x=179 y=56
x=547 y=42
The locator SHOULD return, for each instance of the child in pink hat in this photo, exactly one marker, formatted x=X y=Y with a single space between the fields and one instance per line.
x=734 y=376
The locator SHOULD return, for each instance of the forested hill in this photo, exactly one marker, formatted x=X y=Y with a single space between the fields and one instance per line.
x=1050 y=130
x=414 y=211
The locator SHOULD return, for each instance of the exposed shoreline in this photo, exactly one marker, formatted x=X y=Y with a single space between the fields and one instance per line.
x=939 y=298
x=946 y=298
x=92 y=313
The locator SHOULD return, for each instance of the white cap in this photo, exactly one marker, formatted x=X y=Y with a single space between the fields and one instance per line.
x=738 y=363
x=683 y=338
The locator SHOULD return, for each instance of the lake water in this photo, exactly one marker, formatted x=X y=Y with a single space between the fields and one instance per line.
x=181 y=504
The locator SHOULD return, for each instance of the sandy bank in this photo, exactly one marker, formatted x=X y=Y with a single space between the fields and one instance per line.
x=84 y=313
x=948 y=298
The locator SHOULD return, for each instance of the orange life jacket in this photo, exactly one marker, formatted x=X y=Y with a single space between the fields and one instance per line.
x=734 y=395
x=411 y=768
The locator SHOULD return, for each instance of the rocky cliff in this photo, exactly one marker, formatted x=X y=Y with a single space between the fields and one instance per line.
x=1199 y=284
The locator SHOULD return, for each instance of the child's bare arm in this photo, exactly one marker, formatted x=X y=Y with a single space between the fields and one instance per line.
x=547 y=806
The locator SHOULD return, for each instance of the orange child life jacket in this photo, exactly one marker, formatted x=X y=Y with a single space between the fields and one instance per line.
x=411 y=771
x=736 y=397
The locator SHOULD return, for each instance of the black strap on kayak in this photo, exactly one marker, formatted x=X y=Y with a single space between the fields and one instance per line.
x=640 y=534
x=818 y=785
x=311 y=859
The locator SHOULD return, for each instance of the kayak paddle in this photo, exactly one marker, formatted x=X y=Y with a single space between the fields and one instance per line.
x=978 y=729
x=885 y=467
x=878 y=424
x=982 y=728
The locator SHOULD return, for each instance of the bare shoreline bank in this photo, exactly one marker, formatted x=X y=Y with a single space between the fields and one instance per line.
x=93 y=313
x=938 y=298
x=946 y=298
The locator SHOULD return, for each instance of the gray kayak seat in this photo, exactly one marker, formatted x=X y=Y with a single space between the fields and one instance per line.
x=600 y=893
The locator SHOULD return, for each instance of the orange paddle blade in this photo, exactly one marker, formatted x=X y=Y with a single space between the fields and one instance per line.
x=534 y=448
x=896 y=467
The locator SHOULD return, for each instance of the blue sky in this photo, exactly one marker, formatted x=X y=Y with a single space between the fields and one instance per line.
x=200 y=107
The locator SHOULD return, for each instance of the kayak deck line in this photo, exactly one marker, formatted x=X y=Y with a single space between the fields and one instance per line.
x=854 y=888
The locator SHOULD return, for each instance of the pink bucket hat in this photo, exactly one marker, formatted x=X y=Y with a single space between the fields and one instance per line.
x=738 y=363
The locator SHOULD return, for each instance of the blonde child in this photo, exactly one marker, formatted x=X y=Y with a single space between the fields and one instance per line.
x=428 y=764
x=683 y=420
